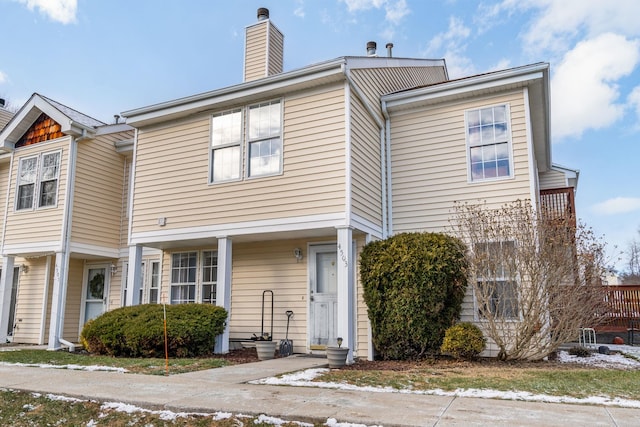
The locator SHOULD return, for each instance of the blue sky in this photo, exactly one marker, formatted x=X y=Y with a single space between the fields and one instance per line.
x=105 y=57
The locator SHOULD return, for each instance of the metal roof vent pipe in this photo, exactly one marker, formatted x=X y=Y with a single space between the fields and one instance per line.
x=2 y=103
x=263 y=14
x=371 y=48
x=389 y=46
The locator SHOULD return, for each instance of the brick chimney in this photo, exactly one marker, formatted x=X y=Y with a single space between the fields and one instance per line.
x=264 y=48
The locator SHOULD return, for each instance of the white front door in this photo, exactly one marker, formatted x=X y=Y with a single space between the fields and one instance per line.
x=96 y=283
x=323 y=299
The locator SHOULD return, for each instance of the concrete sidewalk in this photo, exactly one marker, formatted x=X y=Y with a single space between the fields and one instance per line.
x=225 y=389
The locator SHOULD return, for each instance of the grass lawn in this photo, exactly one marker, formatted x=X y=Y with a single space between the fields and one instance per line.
x=550 y=378
x=33 y=409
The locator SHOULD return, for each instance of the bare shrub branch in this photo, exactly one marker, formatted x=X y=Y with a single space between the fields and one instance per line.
x=535 y=280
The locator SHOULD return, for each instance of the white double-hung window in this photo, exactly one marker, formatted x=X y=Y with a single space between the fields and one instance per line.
x=226 y=144
x=38 y=178
x=489 y=143
x=254 y=133
x=265 y=143
x=194 y=277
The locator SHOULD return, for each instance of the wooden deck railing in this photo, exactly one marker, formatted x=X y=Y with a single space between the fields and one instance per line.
x=623 y=307
x=559 y=203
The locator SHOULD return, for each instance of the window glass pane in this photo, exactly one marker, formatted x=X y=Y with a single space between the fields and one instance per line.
x=490 y=170
x=489 y=153
x=477 y=171
x=209 y=294
x=503 y=168
x=183 y=294
x=487 y=134
x=474 y=135
x=502 y=151
x=501 y=131
x=183 y=268
x=500 y=114
x=473 y=118
x=226 y=128
x=226 y=163
x=486 y=116
x=28 y=170
x=264 y=120
x=209 y=267
x=48 y=192
x=264 y=157
x=50 y=165
x=25 y=196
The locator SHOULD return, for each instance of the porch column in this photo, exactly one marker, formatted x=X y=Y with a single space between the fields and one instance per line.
x=346 y=292
x=58 y=299
x=223 y=289
x=6 y=281
x=134 y=276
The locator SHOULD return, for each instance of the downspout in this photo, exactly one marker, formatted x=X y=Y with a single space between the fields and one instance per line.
x=380 y=124
x=66 y=231
x=387 y=167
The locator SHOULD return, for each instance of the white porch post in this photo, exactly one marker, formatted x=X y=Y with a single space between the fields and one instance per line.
x=346 y=291
x=6 y=281
x=134 y=276
x=223 y=289
x=58 y=299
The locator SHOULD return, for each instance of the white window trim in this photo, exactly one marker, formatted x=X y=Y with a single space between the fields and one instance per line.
x=248 y=142
x=35 y=205
x=517 y=284
x=509 y=141
x=228 y=145
x=245 y=142
x=199 y=270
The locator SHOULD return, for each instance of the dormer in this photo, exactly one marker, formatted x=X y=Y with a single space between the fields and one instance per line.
x=42 y=119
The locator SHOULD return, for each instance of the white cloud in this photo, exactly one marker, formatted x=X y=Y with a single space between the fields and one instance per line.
x=395 y=10
x=585 y=93
x=63 y=11
x=617 y=205
x=633 y=100
x=299 y=11
x=451 y=45
x=557 y=23
x=3 y=77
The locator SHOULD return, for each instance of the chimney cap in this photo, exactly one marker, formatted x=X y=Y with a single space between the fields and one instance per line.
x=263 y=13
x=371 y=48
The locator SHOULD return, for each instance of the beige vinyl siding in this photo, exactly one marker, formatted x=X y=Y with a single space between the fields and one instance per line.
x=29 y=301
x=124 y=226
x=37 y=225
x=72 y=328
x=255 y=66
x=98 y=192
x=361 y=315
x=429 y=164
x=172 y=170
x=366 y=177
x=276 y=51
x=552 y=179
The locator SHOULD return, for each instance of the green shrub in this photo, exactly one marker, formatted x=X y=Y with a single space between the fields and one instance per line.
x=579 y=351
x=463 y=341
x=138 y=331
x=413 y=284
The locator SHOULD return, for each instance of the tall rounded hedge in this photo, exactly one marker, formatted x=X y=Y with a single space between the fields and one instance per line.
x=138 y=331
x=414 y=284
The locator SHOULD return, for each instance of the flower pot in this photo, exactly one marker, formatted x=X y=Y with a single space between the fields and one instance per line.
x=266 y=349
x=337 y=356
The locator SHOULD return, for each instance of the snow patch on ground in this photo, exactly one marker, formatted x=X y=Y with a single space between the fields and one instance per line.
x=608 y=361
x=70 y=367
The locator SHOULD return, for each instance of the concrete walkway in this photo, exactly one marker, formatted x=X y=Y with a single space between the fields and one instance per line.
x=225 y=389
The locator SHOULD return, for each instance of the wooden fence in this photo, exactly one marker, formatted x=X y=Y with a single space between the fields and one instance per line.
x=623 y=308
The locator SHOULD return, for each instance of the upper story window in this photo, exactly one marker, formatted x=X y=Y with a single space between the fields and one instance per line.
x=260 y=137
x=38 y=178
x=226 y=144
x=489 y=143
x=265 y=144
